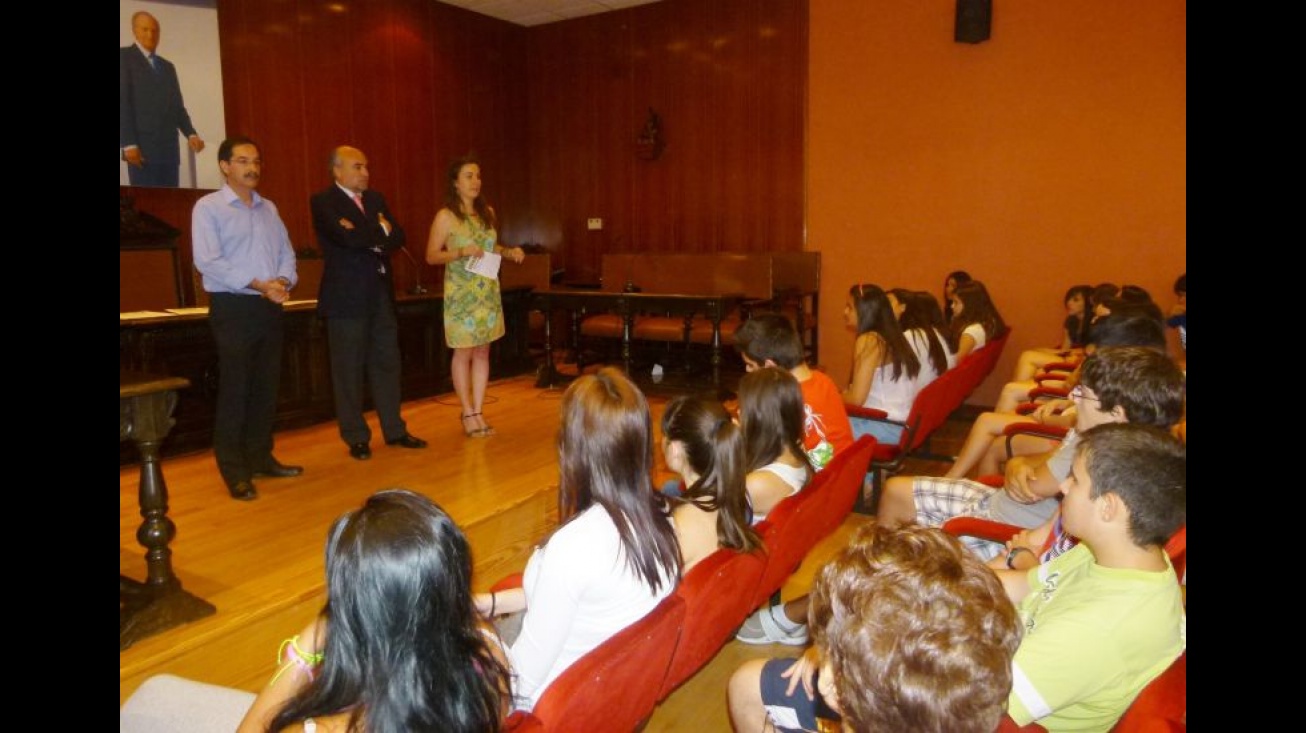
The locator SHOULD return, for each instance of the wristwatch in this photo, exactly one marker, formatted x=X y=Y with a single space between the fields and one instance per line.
x=1011 y=555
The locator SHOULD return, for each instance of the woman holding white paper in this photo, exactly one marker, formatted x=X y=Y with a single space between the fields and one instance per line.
x=461 y=235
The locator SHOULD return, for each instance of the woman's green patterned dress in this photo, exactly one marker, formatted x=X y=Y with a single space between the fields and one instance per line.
x=473 y=310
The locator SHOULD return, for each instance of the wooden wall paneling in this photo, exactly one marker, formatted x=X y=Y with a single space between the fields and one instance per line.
x=393 y=77
x=545 y=209
x=553 y=110
x=728 y=79
x=277 y=117
x=650 y=178
x=783 y=43
x=493 y=130
x=409 y=179
x=514 y=132
x=333 y=87
x=617 y=120
x=557 y=92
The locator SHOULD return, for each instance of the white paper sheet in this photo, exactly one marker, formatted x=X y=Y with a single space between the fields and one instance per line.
x=487 y=265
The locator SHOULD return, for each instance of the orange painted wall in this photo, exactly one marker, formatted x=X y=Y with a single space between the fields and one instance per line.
x=1051 y=154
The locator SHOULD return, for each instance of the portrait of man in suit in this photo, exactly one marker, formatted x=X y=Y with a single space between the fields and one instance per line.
x=154 y=121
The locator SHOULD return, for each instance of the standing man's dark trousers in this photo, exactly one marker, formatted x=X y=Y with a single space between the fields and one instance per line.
x=366 y=348
x=249 y=331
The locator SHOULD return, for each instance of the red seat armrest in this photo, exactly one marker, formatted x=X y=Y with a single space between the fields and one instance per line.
x=1051 y=432
x=983 y=528
x=868 y=413
x=1049 y=392
x=507 y=582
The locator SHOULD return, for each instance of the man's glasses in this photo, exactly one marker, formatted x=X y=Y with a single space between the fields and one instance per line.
x=1077 y=393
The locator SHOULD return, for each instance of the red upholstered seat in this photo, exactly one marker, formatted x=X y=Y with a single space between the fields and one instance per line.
x=1055 y=433
x=602 y=325
x=1161 y=707
x=796 y=524
x=615 y=687
x=718 y=595
x=845 y=478
x=788 y=533
x=659 y=328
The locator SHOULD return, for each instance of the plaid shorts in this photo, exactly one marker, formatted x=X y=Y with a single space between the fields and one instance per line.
x=939 y=499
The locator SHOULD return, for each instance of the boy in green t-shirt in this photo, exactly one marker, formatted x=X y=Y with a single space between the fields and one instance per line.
x=1107 y=617
x=1100 y=621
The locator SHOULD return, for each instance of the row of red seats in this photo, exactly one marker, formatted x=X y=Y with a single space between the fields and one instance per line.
x=615 y=687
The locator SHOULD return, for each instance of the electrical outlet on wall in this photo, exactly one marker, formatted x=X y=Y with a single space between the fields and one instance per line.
x=595 y=223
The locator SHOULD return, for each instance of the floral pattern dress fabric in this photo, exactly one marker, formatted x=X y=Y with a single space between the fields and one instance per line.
x=473 y=309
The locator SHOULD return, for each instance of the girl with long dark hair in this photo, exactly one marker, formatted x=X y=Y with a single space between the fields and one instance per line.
x=399 y=646
x=702 y=444
x=614 y=556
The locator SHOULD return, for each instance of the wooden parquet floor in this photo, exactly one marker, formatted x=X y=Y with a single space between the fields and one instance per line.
x=260 y=563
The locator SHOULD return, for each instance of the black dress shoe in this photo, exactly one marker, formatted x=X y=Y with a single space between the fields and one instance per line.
x=243 y=491
x=361 y=451
x=407 y=441
x=279 y=470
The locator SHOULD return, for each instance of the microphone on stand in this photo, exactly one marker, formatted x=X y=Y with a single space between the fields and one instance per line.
x=418 y=288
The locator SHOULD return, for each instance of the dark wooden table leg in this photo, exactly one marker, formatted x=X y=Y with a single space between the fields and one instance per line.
x=576 y=315
x=716 y=353
x=627 y=331
x=547 y=373
x=158 y=603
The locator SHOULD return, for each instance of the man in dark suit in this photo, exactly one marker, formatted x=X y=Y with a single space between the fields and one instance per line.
x=357 y=233
x=150 y=109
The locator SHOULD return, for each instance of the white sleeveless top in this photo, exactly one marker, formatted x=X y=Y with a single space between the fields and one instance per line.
x=895 y=396
x=795 y=476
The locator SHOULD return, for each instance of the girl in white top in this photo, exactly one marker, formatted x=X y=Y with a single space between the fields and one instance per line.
x=921 y=319
x=885 y=366
x=771 y=417
x=975 y=320
x=613 y=559
x=702 y=444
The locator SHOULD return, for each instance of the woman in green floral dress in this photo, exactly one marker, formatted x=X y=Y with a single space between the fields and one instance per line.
x=473 y=313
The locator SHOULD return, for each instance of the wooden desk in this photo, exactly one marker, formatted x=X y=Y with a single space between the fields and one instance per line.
x=183 y=345
x=145 y=403
x=628 y=305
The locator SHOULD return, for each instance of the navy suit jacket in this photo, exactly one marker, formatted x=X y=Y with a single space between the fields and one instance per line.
x=150 y=109
x=351 y=270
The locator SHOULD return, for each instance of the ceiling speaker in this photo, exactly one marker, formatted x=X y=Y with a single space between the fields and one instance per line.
x=973 y=20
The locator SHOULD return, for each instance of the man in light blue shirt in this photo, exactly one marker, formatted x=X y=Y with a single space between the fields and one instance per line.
x=243 y=252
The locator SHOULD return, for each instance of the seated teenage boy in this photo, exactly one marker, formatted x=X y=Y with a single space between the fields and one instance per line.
x=1119 y=384
x=769 y=339
x=911 y=632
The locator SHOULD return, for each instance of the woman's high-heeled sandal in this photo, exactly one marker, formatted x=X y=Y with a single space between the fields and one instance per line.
x=474 y=432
